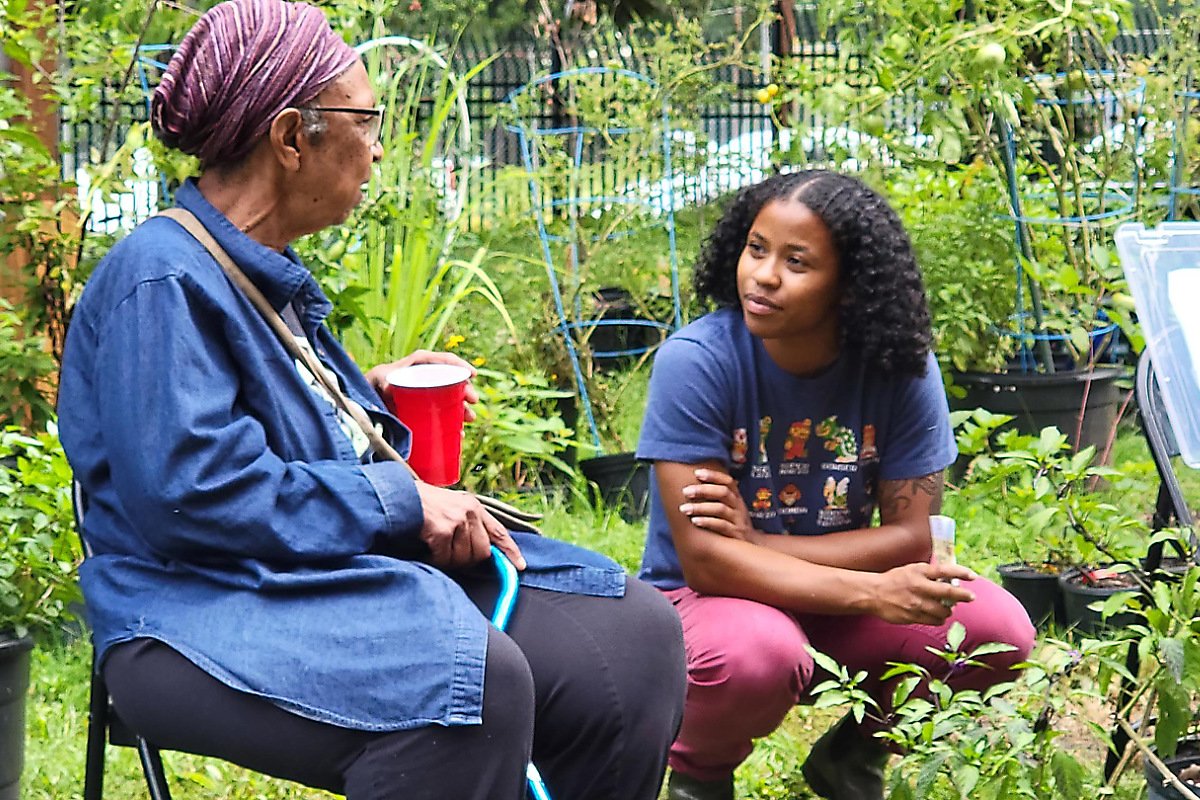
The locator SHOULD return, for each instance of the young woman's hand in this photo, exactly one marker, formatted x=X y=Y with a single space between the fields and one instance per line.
x=919 y=593
x=378 y=376
x=459 y=531
x=714 y=503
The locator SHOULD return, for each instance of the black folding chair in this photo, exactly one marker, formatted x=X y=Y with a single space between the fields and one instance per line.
x=104 y=725
x=1170 y=511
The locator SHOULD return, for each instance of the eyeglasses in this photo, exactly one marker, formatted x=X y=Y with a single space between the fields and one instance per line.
x=376 y=113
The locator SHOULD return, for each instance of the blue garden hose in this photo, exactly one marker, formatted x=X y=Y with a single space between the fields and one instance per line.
x=500 y=615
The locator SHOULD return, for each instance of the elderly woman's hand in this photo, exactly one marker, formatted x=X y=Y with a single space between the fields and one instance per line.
x=460 y=531
x=378 y=376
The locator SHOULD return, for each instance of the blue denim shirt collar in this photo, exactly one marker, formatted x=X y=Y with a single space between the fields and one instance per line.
x=280 y=276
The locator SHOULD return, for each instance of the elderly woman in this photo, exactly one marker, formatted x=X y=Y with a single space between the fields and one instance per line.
x=264 y=587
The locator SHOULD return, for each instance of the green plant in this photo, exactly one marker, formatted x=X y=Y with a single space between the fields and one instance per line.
x=1167 y=689
x=38 y=546
x=517 y=431
x=1046 y=495
x=997 y=744
x=965 y=252
x=25 y=369
x=968 y=79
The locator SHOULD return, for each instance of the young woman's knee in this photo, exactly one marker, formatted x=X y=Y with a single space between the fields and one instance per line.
x=997 y=616
x=768 y=653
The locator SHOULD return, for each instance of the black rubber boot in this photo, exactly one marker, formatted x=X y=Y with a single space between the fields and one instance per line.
x=845 y=764
x=684 y=787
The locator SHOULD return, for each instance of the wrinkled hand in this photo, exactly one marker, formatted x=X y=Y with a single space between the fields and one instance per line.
x=378 y=376
x=714 y=503
x=459 y=531
x=920 y=593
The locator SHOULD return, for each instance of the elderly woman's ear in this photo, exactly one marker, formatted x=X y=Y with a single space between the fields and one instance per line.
x=284 y=136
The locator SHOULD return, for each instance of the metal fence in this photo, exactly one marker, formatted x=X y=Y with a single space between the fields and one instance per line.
x=738 y=131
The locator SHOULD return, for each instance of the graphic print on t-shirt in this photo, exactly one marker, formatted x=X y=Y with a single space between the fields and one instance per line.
x=839 y=440
x=789 y=496
x=795 y=445
x=737 y=452
x=869 y=451
x=764 y=430
x=762 y=504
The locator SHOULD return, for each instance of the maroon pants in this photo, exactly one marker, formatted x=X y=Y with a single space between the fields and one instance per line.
x=748 y=665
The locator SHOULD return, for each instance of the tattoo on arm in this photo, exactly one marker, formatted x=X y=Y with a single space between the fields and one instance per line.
x=896 y=497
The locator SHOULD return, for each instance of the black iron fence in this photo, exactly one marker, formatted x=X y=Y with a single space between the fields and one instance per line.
x=737 y=132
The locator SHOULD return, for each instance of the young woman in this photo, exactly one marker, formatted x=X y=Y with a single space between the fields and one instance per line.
x=777 y=426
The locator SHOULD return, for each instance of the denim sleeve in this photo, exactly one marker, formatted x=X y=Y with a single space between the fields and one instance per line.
x=688 y=406
x=920 y=440
x=194 y=473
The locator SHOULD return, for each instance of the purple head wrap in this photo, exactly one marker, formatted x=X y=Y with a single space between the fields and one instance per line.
x=241 y=64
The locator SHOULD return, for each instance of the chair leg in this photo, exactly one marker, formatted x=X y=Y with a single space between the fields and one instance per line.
x=93 y=779
x=152 y=767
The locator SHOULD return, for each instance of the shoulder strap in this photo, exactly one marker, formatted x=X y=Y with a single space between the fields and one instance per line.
x=510 y=516
x=193 y=226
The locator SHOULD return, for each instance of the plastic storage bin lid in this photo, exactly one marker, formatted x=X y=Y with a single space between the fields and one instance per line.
x=1162 y=266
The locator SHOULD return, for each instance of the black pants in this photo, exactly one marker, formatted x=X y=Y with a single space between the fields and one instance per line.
x=592 y=686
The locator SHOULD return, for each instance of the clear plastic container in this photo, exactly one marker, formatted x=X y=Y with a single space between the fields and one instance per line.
x=1162 y=266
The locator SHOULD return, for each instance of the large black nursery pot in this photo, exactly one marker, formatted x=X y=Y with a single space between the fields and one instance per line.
x=623 y=483
x=1036 y=589
x=1157 y=787
x=1079 y=593
x=1039 y=399
x=619 y=329
x=14 y=684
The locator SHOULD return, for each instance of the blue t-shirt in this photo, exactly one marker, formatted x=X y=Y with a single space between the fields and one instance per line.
x=808 y=453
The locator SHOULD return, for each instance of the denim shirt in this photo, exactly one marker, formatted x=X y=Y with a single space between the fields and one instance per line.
x=228 y=515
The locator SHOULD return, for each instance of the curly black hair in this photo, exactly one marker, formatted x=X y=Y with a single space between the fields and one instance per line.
x=884 y=317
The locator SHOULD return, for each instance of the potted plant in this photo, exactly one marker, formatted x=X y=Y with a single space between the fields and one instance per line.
x=1070 y=546
x=1165 y=690
x=38 y=556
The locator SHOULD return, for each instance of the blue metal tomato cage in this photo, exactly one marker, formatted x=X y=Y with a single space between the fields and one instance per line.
x=1112 y=107
x=535 y=136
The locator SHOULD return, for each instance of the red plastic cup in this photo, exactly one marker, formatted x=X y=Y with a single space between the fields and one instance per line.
x=428 y=399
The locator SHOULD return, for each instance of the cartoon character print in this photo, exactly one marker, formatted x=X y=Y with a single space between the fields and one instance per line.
x=737 y=453
x=789 y=495
x=869 y=450
x=839 y=440
x=762 y=499
x=796 y=444
x=764 y=430
x=835 y=492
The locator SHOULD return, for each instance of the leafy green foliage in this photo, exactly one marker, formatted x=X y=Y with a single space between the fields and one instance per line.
x=1045 y=493
x=996 y=744
x=965 y=252
x=38 y=547
x=517 y=431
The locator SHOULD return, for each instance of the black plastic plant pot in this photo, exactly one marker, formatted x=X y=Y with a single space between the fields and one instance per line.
x=1038 y=400
x=1187 y=755
x=1036 y=589
x=1081 y=587
x=620 y=329
x=14 y=684
x=622 y=482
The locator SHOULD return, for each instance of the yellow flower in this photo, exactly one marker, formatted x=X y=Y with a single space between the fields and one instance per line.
x=479 y=362
x=454 y=341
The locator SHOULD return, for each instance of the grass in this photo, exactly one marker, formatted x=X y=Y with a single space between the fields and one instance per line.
x=57 y=714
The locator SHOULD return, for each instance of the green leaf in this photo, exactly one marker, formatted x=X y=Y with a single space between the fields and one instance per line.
x=955 y=637
x=1069 y=775
x=1171 y=653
